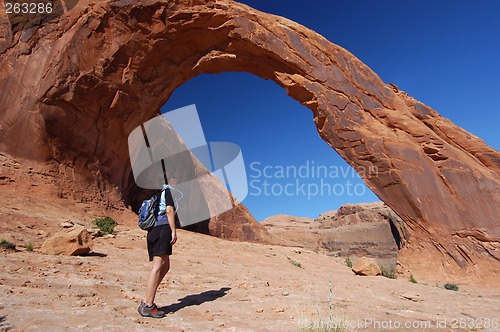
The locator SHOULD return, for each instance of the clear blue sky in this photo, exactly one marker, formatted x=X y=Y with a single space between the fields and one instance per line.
x=443 y=53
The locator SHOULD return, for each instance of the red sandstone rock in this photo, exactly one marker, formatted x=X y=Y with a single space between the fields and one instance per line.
x=354 y=230
x=72 y=241
x=72 y=89
x=293 y=231
x=366 y=267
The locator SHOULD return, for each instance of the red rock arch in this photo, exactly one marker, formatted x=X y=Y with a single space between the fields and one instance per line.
x=93 y=75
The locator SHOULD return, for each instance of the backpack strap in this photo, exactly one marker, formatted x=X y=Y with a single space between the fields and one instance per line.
x=159 y=202
x=176 y=200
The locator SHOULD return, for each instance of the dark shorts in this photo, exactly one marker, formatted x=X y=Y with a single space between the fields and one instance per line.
x=159 y=241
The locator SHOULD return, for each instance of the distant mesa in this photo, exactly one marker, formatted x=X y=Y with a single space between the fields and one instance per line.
x=354 y=230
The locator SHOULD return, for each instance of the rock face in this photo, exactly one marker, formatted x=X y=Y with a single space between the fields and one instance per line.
x=354 y=230
x=367 y=229
x=73 y=89
x=71 y=242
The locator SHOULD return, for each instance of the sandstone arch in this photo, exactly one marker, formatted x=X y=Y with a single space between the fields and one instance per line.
x=442 y=181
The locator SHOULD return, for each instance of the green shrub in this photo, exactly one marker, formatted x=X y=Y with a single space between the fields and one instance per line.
x=450 y=286
x=294 y=263
x=348 y=262
x=29 y=246
x=391 y=274
x=6 y=244
x=412 y=279
x=106 y=224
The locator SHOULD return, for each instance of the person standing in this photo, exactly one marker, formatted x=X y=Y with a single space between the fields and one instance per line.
x=160 y=240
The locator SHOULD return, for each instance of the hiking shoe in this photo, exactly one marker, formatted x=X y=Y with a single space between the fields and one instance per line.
x=152 y=311
x=154 y=305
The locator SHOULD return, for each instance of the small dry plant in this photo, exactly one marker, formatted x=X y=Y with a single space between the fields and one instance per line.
x=320 y=323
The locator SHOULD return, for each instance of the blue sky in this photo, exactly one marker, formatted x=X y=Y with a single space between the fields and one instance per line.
x=443 y=53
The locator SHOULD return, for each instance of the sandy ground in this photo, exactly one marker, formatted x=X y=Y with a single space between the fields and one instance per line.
x=214 y=284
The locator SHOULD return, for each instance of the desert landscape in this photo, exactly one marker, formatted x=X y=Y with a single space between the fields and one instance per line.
x=214 y=284
x=75 y=84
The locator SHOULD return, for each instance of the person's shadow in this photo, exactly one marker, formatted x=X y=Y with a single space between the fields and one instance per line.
x=195 y=299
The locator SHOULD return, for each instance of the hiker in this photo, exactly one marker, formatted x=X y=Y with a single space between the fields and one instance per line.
x=160 y=240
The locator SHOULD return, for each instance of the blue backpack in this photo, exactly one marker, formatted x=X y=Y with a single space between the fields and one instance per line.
x=148 y=212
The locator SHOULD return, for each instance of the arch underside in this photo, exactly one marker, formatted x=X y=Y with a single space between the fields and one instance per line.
x=442 y=181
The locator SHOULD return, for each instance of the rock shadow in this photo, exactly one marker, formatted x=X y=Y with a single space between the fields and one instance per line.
x=195 y=299
x=94 y=254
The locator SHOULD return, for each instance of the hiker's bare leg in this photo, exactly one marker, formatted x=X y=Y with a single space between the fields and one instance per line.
x=161 y=265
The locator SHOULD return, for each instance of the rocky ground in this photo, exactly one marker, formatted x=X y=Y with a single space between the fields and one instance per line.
x=214 y=284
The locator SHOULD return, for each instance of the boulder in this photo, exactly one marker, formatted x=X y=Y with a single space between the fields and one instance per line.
x=71 y=241
x=366 y=267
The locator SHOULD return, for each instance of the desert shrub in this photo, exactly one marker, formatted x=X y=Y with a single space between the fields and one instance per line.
x=294 y=263
x=450 y=286
x=348 y=262
x=106 y=224
x=29 y=246
x=412 y=279
x=391 y=274
x=324 y=323
x=6 y=244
